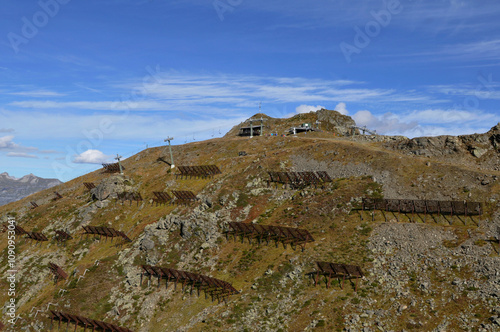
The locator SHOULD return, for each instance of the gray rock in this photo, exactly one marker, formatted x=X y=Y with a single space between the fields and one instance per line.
x=147 y=244
x=102 y=204
x=110 y=187
x=478 y=152
x=185 y=234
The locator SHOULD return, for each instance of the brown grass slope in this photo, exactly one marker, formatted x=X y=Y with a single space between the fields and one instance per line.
x=276 y=293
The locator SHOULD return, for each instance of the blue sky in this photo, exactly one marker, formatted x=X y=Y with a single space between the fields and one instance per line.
x=84 y=80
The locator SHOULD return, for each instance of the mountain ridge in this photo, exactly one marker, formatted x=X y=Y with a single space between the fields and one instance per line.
x=13 y=189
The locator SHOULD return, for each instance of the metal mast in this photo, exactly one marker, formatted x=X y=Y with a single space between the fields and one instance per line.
x=168 y=139
x=119 y=163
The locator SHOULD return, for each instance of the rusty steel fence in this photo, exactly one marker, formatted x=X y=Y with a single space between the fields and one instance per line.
x=89 y=185
x=216 y=288
x=423 y=206
x=91 y=324
x=203 y=171
x=106 y=232
x=285 y=235
x=297 y=180
x=58 y=272
x=62 y=236
x=130 y=196
x=341 y=271
x=112 y=168
x=161 y=198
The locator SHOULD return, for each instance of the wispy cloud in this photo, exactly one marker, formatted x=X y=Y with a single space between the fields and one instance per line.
x=472 y=51
x=236 y=89
x=49 y=151
x=85 y=87
x=47 y=124
x=438 y=17
x=485 y=89
x=93 y=105
x=37 y=93
x=450 y=16
x=21 y=155
x=214 y=94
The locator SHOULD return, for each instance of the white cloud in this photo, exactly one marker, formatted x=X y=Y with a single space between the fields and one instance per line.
x=91 y=157
x=7 y=143
x=430 y=122
x=427 y=122
x=307 y=108
x=341 y=108
x=365 y=118
x=21 y=155
x=387 y=123
x=6 y=130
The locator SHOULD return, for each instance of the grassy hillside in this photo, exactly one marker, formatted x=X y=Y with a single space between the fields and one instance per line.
x=434 y=275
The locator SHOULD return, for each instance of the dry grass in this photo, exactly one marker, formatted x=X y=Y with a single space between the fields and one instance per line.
x=340 y=236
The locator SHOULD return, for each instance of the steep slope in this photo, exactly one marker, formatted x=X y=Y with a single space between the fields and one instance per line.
x=12 y=189
x=420 y=273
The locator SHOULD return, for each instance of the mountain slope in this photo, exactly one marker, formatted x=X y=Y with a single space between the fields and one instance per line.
x=428 y=273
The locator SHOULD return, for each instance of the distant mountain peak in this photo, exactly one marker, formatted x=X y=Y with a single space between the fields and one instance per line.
x=12 y=188
x=29 y=178
x=31 y=175
x=6 y=175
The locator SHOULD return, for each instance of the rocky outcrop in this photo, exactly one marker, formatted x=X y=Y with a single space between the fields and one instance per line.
x=111 y=187
x=477 y=145
x=480 y=144
x=335 y=122
x=483 y=149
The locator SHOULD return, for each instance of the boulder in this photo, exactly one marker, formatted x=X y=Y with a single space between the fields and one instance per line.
x=111 y=187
